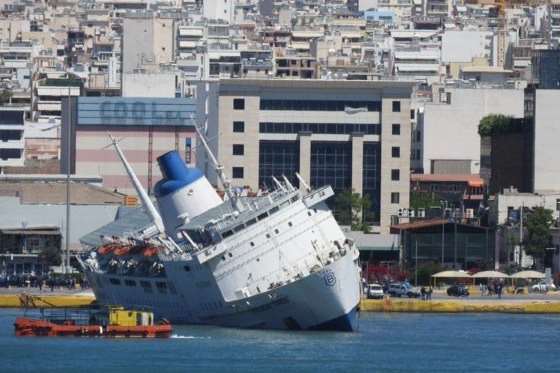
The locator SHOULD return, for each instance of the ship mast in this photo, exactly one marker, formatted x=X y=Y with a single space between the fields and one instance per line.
x=146 y=201
x=220 y=171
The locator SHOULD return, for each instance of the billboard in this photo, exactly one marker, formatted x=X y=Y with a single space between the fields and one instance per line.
x=135 y=111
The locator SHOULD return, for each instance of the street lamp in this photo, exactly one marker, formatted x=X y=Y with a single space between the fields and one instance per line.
x=442 y=204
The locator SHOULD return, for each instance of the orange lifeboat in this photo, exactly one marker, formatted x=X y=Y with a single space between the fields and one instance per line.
x=106 y=249
x=150 y=251
x=122 y=250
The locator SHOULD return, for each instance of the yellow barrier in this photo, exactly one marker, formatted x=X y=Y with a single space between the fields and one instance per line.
x=450 y=306
x=46 y=301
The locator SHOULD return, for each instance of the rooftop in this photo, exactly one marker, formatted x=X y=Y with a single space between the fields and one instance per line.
x=54 y=193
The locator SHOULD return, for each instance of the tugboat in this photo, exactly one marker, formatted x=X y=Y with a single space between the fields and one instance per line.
x=112 y=322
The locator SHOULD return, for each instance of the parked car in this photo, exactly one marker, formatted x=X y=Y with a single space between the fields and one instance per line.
x=458 y=291
x=403 y=290
x=543 y=287
x=375 y=291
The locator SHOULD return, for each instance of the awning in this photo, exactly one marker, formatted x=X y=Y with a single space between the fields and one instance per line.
x=476 y=183
x=490 y=274
x=528 y=274
x=451 y=274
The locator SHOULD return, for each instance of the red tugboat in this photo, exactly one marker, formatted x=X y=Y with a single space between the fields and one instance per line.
x=114 y=322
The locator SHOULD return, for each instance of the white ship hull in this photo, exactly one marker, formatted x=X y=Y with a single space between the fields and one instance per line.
x=278 y=261
x=325 y=300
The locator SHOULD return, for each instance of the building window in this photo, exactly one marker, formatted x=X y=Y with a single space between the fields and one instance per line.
x=239 y=104
x=238 y=126
x=330 y=128
x=396 y=106
x=371 y=163
x=412 y=113
x=319 y=105
x=395 y=174
x=557 y=204
x=238 y=149
x=396 y=129
x=395 y=196
x=396 y=152
x=331 y=164
x=277 y=158
x=237 y=172
x=418 y=136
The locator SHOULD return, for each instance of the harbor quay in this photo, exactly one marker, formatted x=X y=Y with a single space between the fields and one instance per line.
x=521 y=304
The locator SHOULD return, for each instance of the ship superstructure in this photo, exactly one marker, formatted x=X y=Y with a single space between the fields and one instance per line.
x=278 y=260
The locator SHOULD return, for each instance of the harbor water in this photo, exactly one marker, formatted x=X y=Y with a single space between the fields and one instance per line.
x=385 y=342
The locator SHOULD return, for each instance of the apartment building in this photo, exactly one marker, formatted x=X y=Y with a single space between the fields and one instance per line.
x=12 y=142
x=352 y=135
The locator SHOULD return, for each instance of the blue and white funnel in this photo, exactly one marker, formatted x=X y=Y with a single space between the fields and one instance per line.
x=183 y=193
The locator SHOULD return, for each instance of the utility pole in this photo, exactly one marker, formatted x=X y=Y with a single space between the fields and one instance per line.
x=520 y=234
x=66 y=261
x=443 y=203
x=416 y=265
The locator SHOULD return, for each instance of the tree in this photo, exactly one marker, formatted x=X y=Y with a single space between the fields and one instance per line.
x=349 y=208
x=5 y=96
x=423 y=200
x=538 y=237
x=493 y=124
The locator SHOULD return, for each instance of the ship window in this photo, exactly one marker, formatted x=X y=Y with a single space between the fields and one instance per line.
x=145 y=284
x=238 y=228
x=273 y=210
x=187 y=268
x=130 y=282
x=251 y=222
x=172 y=288
x=262 y=216
x=226 y=234
x=309 y=213
x=115 y=281
x=294 y=199
x=223 y=257
x=162 y=287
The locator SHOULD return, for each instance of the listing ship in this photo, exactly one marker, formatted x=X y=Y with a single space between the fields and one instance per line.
x=273 y=261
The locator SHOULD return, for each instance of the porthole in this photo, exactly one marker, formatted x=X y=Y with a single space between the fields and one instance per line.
x=276 y=231
x=290 y=224
x=252 y=244
x=267 y=235
x=230 y=255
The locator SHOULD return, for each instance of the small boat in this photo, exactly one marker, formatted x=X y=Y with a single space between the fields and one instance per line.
x=122 y=250
x=115 y=322
x=150 y=251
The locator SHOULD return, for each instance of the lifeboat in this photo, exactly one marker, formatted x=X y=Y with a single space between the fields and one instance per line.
x=122 y=250
x=106 y=249
x=150 y=251
x=116 y=323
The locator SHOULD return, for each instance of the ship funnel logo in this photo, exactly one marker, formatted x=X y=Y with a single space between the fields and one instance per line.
x=329 y=277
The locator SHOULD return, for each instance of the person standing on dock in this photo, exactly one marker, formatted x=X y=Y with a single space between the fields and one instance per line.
x=499 y=290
